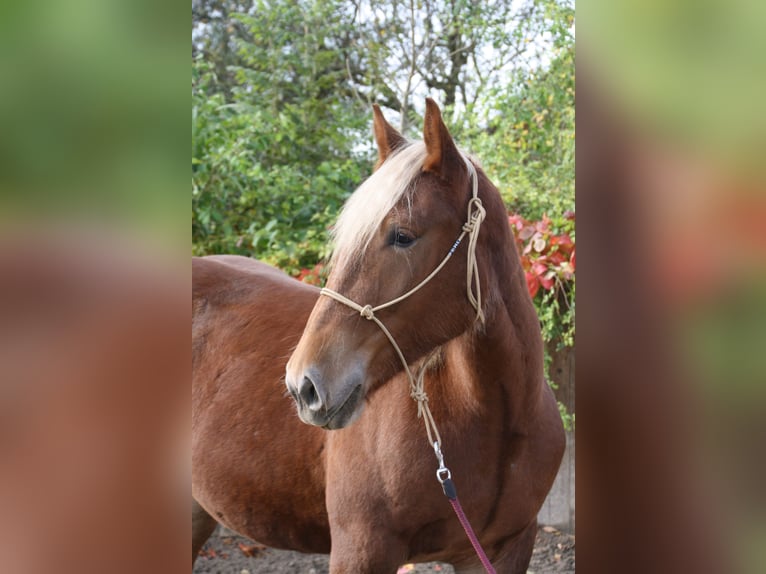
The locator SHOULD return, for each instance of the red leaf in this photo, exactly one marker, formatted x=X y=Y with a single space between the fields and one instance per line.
x=547 y=280
x=539 y=268
x=516 y=221
x=533 y=284
x=563 y=242
x=557 y=258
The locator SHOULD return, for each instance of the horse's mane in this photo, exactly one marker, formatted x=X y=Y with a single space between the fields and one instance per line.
x=365 y=210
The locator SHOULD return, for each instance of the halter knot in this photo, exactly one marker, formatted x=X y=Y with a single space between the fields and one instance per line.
x=476 y=211
x=476 y=215
x=367 y=312
x=419 y=395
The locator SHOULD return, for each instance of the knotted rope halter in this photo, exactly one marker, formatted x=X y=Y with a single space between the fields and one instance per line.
x=475 y=216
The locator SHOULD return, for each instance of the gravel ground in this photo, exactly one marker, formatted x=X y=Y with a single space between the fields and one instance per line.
x=227 y=553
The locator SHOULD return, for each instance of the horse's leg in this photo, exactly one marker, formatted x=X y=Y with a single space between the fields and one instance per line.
x=362 y=551
x=202 y=527
x=511 y=557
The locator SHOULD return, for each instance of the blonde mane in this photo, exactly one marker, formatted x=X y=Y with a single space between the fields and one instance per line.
x=365 y=210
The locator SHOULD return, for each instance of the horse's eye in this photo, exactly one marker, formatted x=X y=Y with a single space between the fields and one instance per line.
x=401 y=238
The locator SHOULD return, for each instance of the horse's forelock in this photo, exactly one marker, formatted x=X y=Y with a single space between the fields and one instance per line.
x=374 y=199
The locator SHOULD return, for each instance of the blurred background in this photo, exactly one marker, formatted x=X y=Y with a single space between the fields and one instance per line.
x=672 y=229
x=94 y=287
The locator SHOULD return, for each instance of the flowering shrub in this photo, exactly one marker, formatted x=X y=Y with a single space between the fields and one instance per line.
x=316 y=275
x=548 y=259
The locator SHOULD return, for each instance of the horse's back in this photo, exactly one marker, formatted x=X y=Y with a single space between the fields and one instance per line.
x=244 y=310
x=248 y=303
x=227 y=278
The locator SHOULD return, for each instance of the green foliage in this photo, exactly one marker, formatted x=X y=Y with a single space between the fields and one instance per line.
x=528 y=146
x=271 y=168
x=566 y=417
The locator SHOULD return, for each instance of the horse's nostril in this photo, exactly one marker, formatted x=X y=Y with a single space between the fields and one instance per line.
x=309 y=394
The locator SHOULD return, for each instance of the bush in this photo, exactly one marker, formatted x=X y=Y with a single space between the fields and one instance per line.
x=267 y=185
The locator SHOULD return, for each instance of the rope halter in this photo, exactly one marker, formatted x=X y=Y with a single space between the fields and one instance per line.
x=475 y=216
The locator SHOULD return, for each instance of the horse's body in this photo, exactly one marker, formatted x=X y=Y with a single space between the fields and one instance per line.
x=367 y=492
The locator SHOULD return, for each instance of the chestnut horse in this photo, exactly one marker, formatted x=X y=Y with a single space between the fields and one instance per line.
x=358 y=480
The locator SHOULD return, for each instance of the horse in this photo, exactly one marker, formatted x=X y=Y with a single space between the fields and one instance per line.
x=426 y=300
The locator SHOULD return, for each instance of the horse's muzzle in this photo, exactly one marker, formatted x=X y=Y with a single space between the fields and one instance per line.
x=331 y=406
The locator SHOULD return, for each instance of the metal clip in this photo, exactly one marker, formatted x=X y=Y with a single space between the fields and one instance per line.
x=442 y=473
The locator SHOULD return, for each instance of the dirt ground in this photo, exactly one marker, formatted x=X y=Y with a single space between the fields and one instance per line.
x=227 y=553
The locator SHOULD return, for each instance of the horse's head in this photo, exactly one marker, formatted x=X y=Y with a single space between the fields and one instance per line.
x=392 y=233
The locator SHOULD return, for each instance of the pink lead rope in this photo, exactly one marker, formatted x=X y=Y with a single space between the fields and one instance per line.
x=445 y=478
x=471 y=536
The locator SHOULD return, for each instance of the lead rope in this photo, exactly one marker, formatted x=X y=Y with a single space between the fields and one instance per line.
x=474 y=218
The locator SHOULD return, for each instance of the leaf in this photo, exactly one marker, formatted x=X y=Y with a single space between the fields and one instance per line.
x=547 y=280
x=526 y=233
x=539 y=268
x=563 y=242
x=557 y=258
x=250 y=550
x=533 y=284
x=517 y=222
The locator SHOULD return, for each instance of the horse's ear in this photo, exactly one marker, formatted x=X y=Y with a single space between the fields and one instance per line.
x=387 y=138
x=441 y=152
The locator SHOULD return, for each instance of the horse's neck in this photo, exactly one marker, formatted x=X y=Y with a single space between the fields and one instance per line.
x=498 y=365
x=481 y=375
